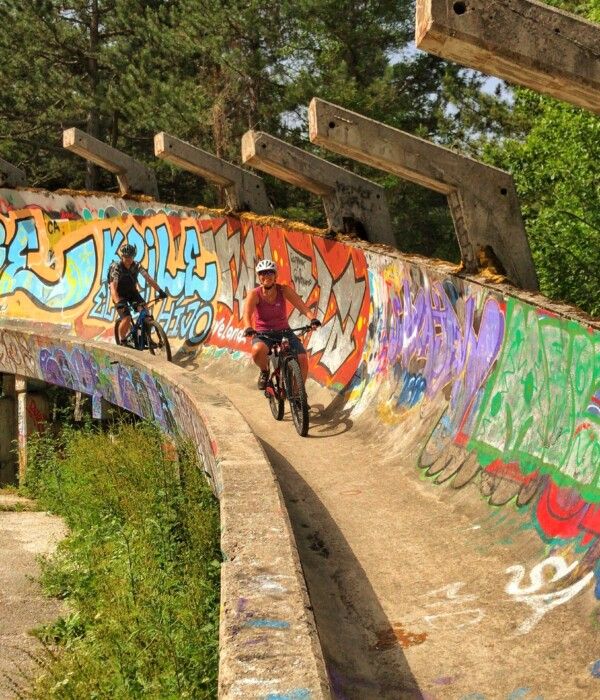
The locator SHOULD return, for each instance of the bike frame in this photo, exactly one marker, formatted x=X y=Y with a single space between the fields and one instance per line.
x=136 y=331
x=283 y=352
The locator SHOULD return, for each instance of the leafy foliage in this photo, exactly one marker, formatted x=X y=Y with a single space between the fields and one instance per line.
x=140 y=568
x=554 y=156
x=208 y=70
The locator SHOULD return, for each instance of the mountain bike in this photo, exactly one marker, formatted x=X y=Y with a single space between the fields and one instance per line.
x=145 y=333
x=285 y=379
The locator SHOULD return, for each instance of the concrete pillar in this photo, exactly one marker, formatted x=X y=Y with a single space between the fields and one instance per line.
x=352 y=204
x=482 y=199
x=523 y=41
x=133 y=177
x=11 y=176
x=22 y=425
x=100 y=407
x=78 y=407
x=244 y=191
x=22 y=412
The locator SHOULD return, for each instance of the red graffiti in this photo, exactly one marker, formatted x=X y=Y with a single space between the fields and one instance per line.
x=39 y=419
x=562 y=514
x=329 y=276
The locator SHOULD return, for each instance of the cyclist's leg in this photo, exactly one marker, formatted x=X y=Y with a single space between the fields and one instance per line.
x=138 y=302
x=260 y=354
x=125 y=323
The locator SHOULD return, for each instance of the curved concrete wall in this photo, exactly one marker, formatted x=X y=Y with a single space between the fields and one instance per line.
x=264 y=605
x=477 y=383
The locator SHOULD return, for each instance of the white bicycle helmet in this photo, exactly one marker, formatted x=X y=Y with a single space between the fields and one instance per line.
x=266 y=265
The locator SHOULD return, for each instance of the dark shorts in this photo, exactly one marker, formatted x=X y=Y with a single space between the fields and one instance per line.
x=134 y=299
x=295 y=343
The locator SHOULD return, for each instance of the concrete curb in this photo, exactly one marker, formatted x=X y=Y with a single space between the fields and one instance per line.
x=269 y=647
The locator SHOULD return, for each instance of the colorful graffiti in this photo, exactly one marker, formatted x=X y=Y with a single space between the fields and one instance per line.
x=535 y=410
x=485 y=388
x=55 y=270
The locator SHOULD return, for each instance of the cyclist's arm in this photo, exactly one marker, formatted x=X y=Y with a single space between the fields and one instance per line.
x=249 y=307
x=114 y=295
x=149 y=279
x=296 y=301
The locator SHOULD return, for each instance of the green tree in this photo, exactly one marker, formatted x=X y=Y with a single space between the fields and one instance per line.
x=100 y=65
x=208 y=70
x=554 y=155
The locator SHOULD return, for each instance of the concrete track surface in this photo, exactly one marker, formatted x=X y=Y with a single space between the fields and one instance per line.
x=24 y=536
x=417 y=591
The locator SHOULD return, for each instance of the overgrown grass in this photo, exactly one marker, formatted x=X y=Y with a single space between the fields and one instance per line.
x=139 y=570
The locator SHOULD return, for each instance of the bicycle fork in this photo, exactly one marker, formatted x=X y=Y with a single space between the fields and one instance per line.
x=275 y=386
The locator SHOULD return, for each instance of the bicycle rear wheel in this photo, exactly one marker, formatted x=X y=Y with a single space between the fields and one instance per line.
x=294 y=386
x=157 y=341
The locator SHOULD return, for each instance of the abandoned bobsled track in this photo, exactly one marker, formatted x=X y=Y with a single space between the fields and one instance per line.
x=444 y=505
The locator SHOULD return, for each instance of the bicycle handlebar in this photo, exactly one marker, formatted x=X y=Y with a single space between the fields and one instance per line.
x=302 y=329
x=133 y=304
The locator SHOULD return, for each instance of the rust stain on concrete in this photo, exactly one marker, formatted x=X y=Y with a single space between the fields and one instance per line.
x=397 y=635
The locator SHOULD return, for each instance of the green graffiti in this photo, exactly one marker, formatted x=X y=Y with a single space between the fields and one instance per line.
x=537 y=406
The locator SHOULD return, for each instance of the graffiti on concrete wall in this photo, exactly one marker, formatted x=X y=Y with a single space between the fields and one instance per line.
x=535 y=410
x=330 y=277
x=54 y=267
x=427 y=338
x=47 y=267
x=496 y=392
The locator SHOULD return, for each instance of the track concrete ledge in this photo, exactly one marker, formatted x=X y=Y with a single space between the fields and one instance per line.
x=269 y=647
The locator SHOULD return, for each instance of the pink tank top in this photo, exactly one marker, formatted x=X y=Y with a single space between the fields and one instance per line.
x=270 y=317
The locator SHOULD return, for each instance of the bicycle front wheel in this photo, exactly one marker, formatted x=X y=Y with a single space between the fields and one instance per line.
x=117 y=339
x=297 y=396
x=157 y=341
x=276 y=403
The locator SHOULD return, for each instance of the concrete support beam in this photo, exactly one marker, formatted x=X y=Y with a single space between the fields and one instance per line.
x=22 y=427
x=133 y=177
x=11 y=176
x=352 y=204
x=244 y=191
x=482 y=199
x=525 y=42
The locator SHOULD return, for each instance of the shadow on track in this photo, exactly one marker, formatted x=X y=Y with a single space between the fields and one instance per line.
x=331 y=420
x=352 y=625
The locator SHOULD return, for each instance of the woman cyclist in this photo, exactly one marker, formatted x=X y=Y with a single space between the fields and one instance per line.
x=265 y=310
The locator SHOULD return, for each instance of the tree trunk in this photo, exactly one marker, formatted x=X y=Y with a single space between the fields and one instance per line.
x=93 y=119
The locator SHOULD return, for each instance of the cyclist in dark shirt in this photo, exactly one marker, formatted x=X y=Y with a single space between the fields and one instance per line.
x=123 y=282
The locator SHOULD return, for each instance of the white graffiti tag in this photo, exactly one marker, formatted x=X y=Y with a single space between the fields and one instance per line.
x=541 y=603
x=335 y=337
x=452 y=607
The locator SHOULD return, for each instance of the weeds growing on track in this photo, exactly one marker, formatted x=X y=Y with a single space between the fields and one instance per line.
x=139 y=569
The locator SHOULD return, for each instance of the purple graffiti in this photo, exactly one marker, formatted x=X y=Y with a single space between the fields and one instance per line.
x=427 y=338
x=85 y=370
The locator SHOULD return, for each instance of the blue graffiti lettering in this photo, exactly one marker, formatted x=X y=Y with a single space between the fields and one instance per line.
x=191 y=321
x=73 y=287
